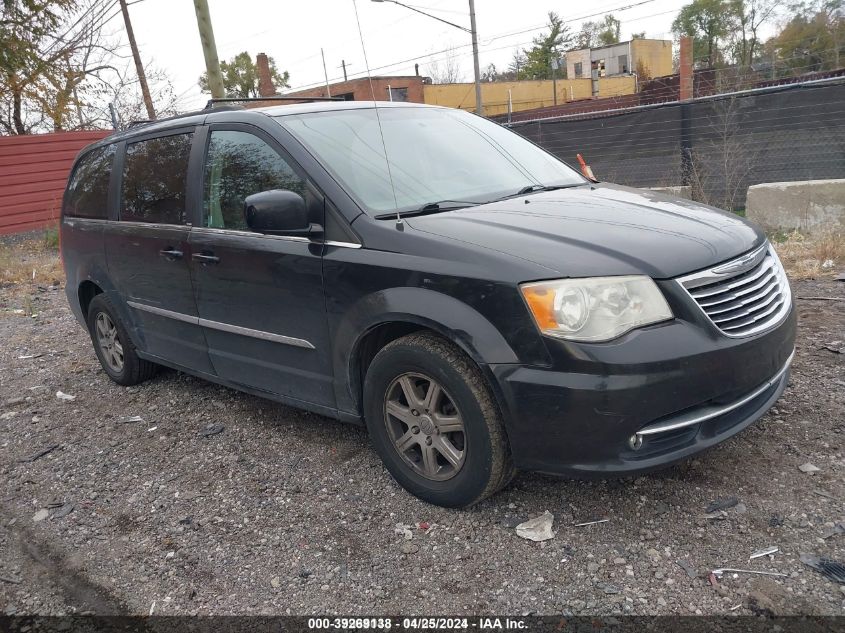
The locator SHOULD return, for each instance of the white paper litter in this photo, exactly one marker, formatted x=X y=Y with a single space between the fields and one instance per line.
x=766 y=551
x=537 y=529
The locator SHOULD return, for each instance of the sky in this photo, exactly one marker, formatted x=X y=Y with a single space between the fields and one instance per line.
x=394 y=37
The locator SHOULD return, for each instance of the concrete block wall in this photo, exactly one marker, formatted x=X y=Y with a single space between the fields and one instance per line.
x=810 y=206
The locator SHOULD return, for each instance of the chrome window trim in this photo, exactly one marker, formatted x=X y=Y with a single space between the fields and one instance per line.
x=151 y=225
x=209 y=230
x=708 y=413
x=223 y=327
x=71 y=220
x=342 y=244
x=690 y=282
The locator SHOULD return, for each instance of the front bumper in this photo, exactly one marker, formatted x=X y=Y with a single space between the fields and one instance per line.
x=651 y=398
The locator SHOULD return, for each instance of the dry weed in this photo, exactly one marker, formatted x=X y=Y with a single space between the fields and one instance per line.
x=810 y=257
x=25 y=266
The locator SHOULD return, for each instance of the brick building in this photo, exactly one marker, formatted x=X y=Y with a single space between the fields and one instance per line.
x=392 y=88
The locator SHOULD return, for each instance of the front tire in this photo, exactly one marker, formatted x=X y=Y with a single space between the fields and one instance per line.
x=113 y=346
x=434 y=423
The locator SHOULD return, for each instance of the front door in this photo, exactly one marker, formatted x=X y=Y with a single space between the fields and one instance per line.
x=260 y=297
x=147 y=250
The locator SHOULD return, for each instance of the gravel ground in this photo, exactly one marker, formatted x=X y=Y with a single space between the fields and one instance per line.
x=287 y=512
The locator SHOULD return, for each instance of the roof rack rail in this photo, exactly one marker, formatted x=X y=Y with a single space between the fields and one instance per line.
x=211 y=102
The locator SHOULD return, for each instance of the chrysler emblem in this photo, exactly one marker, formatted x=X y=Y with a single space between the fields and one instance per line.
x=738 y=264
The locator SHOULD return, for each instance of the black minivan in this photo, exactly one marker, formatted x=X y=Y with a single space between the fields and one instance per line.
x=473 y=300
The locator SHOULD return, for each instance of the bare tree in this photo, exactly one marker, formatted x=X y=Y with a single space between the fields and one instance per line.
x=722 y=165
x=748 y=17
x=122 y=89
x=446 y=69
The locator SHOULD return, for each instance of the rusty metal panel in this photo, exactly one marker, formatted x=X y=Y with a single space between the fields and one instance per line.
x=33 y=172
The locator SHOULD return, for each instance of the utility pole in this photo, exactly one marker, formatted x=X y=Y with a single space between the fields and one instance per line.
x=209 y=49
x=113 y=116
x=326 y=74
x=474 y=30
x=139 y=67
x=343 y=65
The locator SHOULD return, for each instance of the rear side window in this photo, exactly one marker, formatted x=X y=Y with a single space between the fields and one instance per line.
x=88 y=189
x=155 y=174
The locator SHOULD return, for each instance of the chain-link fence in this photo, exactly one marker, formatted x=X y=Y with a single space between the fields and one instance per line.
x=718 y=145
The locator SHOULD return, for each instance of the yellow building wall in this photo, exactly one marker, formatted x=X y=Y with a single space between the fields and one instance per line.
x=654 y=55
x=525 y=95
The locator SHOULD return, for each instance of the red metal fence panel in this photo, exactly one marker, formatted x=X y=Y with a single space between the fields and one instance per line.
x=33 y=173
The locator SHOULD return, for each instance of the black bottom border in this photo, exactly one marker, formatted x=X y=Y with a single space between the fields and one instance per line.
x=284 y=624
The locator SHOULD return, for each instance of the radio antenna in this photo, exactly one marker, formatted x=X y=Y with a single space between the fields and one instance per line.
x=399 y=224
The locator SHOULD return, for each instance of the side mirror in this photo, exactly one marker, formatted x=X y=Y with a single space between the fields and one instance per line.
x=277 y=211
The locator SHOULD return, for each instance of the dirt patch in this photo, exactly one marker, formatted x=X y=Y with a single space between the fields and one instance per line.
x=47 y=569
x=285 y=510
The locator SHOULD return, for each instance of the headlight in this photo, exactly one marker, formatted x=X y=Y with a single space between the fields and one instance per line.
x=595 y=309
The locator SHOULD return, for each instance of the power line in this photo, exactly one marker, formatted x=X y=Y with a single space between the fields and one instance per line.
x=95 y=6
x=494 y=38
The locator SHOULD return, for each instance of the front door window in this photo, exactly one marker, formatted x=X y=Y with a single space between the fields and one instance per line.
x=240 y=164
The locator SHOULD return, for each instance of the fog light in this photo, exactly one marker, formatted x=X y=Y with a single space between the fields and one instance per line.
x=636 y=441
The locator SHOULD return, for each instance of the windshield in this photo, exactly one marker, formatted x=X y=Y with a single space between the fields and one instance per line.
x=435 y=155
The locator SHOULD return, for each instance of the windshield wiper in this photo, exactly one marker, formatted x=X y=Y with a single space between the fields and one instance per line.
x=537 y=188
x=429 y=207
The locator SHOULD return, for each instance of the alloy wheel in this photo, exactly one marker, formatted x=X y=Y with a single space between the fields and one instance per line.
x=425 y=426
x=109 y=343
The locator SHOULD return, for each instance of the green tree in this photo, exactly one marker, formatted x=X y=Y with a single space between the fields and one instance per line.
x=538 y=59
x=516 y=69
x=813 y=40
x=28 y=53
x=709 y=22
x=240 y=77
x=490 y=73
x=605 y=32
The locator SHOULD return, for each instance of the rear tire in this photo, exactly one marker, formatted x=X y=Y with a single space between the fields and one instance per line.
x=113 y=346
x=434 y=423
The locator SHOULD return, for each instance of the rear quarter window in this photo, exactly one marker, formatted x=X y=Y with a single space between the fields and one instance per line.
x=88 y=188
x=155 y=175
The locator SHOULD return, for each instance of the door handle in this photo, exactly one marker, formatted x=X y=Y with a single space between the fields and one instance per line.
x=205 y=259
x=171 y=254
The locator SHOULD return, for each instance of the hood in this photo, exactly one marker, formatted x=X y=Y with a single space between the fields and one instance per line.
x=600 y=230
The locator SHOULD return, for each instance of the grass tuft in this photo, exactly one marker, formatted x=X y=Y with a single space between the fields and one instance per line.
x=811 y=257
x=33 y=262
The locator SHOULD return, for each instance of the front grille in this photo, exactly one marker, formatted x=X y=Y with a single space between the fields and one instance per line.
x=744 y=296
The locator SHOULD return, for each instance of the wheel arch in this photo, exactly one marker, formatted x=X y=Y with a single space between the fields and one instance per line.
x=85 y=293
x=368 y=326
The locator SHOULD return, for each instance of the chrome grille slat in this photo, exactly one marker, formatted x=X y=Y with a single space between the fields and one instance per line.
x=764 y=281
x=738 y=303
x=764 y=267
x=742 y=297
x=749 y=310
x=752 y=319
